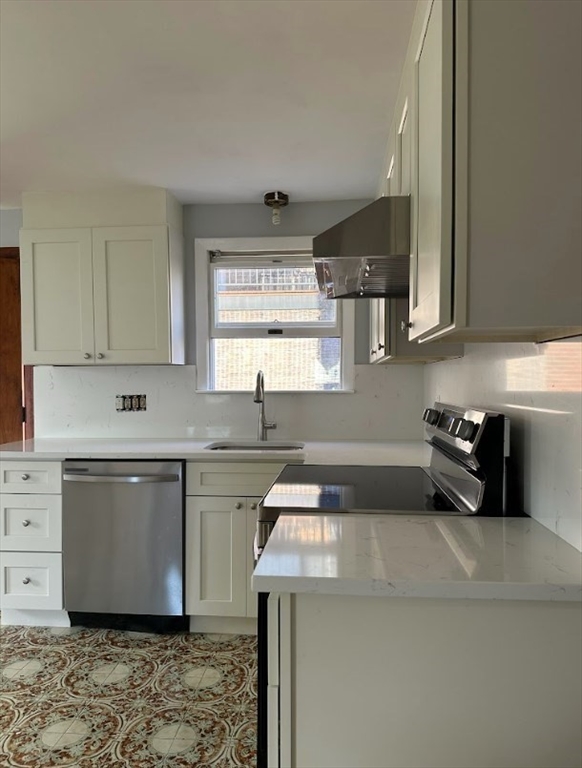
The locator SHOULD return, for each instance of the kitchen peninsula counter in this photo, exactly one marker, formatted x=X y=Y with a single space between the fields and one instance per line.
x=419 y=556
x=417 y=642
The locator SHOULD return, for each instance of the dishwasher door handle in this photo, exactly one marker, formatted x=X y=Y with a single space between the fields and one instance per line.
x=73 y=478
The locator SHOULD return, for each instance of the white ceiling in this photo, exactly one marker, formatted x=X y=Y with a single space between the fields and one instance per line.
x=216 y=100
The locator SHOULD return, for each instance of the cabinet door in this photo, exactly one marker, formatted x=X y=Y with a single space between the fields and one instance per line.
x=57 y=297
x=30 y=522
x=132 y=295
x=252 y=506
x=379 y=336
x=216 y=556
x=404 y=151
x=374 y=328
x=431 y=267
x=31 y=581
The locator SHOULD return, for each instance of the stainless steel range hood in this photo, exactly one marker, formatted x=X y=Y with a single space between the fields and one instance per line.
x=366 y=255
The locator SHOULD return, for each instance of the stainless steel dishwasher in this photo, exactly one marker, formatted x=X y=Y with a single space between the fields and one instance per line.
x=123 y=537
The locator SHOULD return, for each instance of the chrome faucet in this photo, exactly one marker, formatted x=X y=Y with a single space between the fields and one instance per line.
x=259 y=398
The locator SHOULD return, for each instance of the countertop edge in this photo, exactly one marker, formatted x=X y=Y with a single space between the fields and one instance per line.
x=448 y=590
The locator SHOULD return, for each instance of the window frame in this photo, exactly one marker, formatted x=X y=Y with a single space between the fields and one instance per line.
x=206 y=330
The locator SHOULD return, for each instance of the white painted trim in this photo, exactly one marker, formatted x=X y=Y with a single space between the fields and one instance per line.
x=345 y=316
x=228 y=625
x=14 y=617
x=286 y=645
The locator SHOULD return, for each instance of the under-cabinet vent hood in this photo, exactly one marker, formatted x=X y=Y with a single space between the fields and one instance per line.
x=366 y=255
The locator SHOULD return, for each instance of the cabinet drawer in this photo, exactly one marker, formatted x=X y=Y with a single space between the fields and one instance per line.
x=31 y=581
x=30 y=477
x=230 y=479
x=30 y=522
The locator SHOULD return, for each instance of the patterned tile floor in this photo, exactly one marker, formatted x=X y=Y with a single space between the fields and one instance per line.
x=106 y=699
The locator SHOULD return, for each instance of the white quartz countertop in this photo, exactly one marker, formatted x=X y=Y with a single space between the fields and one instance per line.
x=403 y=453
x=419 y=556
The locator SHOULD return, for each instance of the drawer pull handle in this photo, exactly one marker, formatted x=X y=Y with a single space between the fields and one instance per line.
x=253 y=506
x=25 y=476
x=26 y=580
x=238 y=505
x=26 y=523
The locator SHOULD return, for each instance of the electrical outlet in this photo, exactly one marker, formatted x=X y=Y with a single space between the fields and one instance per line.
x=130 y=403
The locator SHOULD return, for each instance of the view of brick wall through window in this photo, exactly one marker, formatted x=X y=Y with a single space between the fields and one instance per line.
x=268 y=297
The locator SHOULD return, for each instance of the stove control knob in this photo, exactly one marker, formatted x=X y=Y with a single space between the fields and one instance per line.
x=467 y=430
x=454 y=427
x=430 y=415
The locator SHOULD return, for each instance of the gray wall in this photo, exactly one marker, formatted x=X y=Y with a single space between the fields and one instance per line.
x=254 y=220
x=10 y=223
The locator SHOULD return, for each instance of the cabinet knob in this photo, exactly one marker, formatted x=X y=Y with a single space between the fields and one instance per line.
x=373 y=352
x=238 y=505
x=26 y=580
x=404 y=326
x=87 y=356
x=26 y=523
x=100 y=355
x=380 y=346
x=253 y=506
x=25 y=476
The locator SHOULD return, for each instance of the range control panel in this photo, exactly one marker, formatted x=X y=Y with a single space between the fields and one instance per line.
x=452 y=424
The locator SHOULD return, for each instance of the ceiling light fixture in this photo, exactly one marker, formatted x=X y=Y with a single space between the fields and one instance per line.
x=276 y=201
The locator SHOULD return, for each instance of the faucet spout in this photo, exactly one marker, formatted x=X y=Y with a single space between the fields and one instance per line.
x=259 y=397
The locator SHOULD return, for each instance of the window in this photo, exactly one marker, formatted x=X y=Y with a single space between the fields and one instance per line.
x=264 y=311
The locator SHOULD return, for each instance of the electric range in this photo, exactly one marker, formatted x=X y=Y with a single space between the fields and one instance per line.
x=467 y=476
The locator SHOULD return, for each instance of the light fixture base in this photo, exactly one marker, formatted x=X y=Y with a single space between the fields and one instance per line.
x=275 y=201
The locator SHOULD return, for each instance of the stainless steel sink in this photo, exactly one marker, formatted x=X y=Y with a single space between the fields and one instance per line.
x=254 y=445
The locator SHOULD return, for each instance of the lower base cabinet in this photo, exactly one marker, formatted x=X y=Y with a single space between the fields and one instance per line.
x=31 y=581
x=31 y=561
x=423 y=683
x=219 y=560
x=222 y=500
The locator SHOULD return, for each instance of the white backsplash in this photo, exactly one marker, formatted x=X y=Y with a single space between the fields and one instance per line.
x=80 y=402
x=539 y=386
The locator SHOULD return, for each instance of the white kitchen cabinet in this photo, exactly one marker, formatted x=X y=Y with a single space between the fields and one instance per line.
x=419 y=683
x=31 y=581
x=496 y=107
x=30 y=522
x=230 y=478
x=219 y=560
x=431 y=264
x=222 y=500
x=216 y=561
x=30 y=476
x=103 y=295
x=389 y=342
x=31 y=570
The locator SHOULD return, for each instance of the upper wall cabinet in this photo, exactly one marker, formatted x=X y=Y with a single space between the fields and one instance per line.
x=389 y=342
x=495 y=122
x=95 y=292
x=104 y=295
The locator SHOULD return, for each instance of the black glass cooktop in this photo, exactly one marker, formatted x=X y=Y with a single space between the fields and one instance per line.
x=335 y=488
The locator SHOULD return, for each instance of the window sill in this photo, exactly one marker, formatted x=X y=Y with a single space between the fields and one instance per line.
x=271 y=392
